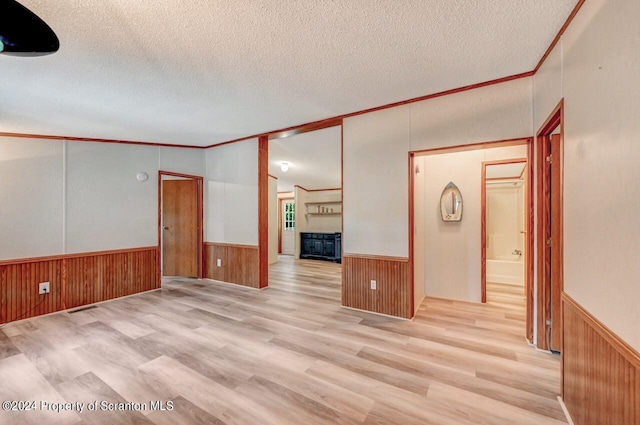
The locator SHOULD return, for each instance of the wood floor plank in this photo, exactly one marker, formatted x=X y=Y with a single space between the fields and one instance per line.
x=286 y=355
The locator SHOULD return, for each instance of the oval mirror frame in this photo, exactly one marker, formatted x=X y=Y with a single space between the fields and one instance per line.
x=451 y=203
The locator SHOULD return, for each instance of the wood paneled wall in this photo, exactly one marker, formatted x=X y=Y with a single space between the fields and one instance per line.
x=95 y=278
x=75 y=280
x=240 y=263
x=393 y=295
x=601 y=373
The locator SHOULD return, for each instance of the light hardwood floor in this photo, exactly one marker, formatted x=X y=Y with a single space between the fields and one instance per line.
x=288 y=354
x=511 y=297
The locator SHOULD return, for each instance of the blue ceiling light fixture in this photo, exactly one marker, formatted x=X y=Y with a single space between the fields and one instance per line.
x=23 y=33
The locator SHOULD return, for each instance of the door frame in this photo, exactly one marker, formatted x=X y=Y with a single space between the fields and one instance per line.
x=528 y=141
x=281 y=202
x=483 y=223
x=547 y=295
x=200 y=227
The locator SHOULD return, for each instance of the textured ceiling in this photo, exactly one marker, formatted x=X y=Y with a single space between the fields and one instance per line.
x=314 y=160
x=205 y=71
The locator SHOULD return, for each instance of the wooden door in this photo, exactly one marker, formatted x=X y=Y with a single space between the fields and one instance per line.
x=180 y=228
x=288 y=227
x=556 y=278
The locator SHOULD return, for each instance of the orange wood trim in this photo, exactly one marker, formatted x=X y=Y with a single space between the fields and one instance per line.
x=342 y=295
x=280 y=200
x=263 y=210
x=377 y=257
x=240 y=263
x=273 y=177
x=412 y=283
x=543 y=231
x=323 y=190
x=74 y=255
x=305 y=128
x=94 y=140
x=186 y=176
x=159 y=253
x=393 y=293
x=75 y=279
x=200 y=212
x=600 y=371
x=331 y=122
x=529 y=254
x=474 y=146
x=232 y=245
x=499 y=179
x=483 y=233
x=557 y=257
x=555 y=41
x=506 y=161
x=628 y=352
x=543 y=263
x=316 y=190
x=554 y=120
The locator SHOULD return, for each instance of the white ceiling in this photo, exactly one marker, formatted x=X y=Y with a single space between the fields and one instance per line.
x=206 y=71
x=314 y=158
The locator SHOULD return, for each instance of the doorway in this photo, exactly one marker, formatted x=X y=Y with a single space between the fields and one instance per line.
x=549 y=159
x=288 y=226
x=180 y=224
x=504 y=229
x=446 y=256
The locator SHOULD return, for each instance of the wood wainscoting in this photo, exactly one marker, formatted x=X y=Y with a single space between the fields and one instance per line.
x=74 y=280
x=239 y=263
x=393 y=295
x=601 y=373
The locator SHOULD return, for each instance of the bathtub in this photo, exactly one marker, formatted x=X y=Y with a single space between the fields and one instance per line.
x=508 y=269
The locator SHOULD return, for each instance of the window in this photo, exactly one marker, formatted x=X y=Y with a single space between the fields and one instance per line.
x=289 y=216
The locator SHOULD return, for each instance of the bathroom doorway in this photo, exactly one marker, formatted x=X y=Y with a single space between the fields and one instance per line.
x=504 y=229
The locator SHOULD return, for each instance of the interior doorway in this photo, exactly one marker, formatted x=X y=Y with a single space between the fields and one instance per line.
x=504 y=229
x=288 y=226
x=549 y=155
x=447 y=259
x=180 y=224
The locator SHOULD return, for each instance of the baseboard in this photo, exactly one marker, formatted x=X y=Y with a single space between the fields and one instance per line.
x=566 y=412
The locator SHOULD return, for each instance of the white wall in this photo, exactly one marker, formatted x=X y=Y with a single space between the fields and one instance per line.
x=61 y=197
x=31 y=198
x=273 y=220
x=376 y=147
x=107 y=207
x=375 y=182
x=597 y=64
x=452 y=253
x=322 y=223
x=181 y=160
x=231 y=204
x=300 y=198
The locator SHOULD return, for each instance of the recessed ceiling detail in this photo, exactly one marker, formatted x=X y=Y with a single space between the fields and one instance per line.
x=198 y=73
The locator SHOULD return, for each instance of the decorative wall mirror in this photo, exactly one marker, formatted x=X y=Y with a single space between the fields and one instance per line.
x=451 y=203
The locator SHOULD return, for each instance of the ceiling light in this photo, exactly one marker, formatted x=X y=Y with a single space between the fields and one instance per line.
x=23 y=33
x=284 y=167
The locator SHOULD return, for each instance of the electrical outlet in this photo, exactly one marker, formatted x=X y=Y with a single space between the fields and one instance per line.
x=373 y=284
x=43 y=288
x=219 y=263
